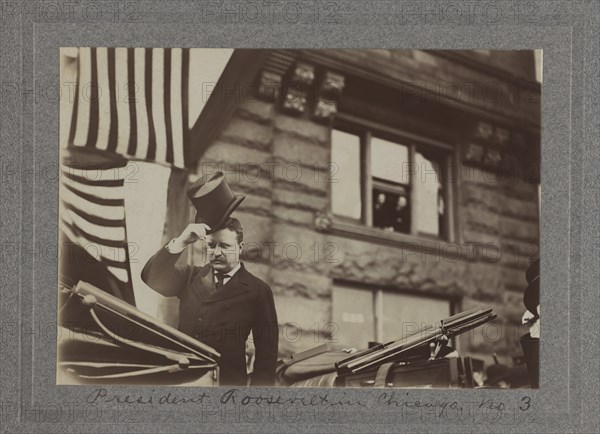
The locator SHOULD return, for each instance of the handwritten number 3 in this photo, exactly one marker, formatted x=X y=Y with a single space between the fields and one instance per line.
x=526 y=400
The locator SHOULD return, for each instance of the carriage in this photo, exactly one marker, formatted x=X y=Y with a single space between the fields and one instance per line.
x=104 y=340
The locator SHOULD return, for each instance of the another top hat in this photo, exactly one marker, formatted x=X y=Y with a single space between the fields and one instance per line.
x=531 y=298
x=496 y=373
x=213 y=199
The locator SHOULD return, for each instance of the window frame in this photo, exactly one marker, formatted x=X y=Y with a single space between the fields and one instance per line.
x=363 y=227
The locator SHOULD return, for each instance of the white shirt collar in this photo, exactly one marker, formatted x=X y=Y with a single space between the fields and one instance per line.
x=232 y=272
x=235 y=270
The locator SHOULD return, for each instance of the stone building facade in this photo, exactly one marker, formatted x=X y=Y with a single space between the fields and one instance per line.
x=340 y=279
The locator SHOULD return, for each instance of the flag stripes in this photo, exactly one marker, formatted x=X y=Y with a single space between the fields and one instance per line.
x=92 y=211
x=104 y=104
x=132 y=102
x=123 y=123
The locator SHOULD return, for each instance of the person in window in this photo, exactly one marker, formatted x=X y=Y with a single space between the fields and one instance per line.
x=381 y=218
x=440 y=213
x=401 y=215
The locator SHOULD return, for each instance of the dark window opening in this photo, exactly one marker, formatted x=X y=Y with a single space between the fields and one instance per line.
x=390 y=183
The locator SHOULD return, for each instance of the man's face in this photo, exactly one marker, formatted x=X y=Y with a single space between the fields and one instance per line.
x=223 y=250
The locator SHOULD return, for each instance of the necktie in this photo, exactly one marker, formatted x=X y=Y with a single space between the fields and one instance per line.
x=220 y=279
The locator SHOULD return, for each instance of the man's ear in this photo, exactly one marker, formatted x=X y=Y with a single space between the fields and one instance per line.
x=241 y=246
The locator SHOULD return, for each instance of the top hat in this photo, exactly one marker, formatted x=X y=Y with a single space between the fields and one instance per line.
x=531 y=298
x=213 y=200
x=496 y=373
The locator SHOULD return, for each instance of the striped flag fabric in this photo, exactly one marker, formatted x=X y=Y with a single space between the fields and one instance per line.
x=132 y=102
x=92 y=220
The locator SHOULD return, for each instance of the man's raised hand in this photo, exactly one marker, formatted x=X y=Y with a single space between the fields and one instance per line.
x=192 y=233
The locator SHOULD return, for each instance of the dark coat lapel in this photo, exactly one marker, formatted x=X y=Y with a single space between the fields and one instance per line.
x=239 y=284
x=205 y=283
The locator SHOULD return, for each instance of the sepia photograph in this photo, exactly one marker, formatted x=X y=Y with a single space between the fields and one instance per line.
x=331 y=218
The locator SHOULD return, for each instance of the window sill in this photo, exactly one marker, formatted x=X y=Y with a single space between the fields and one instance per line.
x=440 y=248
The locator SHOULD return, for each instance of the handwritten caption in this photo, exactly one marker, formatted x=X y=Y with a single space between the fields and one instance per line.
x=238 y=405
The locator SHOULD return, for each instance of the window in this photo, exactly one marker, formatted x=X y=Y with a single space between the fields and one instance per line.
x=375 y=315
x=346 y=154
x=390 y=181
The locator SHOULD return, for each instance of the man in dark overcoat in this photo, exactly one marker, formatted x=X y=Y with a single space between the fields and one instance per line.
x=221 y=302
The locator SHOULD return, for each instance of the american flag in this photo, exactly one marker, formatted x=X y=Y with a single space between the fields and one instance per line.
x=132 y=102
x=92 y=218
x=128 y=104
